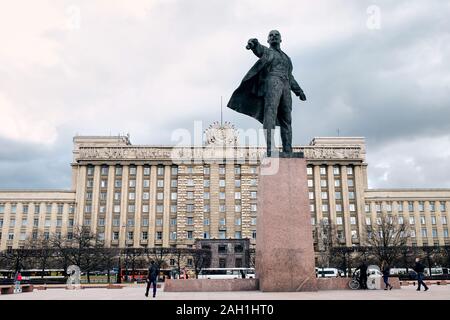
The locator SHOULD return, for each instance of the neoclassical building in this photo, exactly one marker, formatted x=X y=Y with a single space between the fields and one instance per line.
x=169 y=196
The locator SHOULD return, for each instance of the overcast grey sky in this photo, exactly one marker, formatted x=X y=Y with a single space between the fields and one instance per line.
x=378 y=69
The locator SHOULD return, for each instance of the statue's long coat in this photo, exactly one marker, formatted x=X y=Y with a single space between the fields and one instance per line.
x=248 y=98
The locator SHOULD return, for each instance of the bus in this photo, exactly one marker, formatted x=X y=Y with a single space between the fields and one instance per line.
x=140 y=275
x=35 y=276
x=227 y=273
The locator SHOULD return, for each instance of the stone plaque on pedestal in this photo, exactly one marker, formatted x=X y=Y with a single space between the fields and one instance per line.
x=284 y=243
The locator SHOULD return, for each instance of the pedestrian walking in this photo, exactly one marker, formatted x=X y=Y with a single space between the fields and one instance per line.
x=385 y=270
x=17 y=280
x=362 y=275
x=152 y=278
x=419 y=268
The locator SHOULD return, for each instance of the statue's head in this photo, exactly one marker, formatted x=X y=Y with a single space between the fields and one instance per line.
x=274 y=37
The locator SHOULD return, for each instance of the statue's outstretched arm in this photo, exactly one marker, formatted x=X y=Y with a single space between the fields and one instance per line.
x=257 y=48
x=296 y=88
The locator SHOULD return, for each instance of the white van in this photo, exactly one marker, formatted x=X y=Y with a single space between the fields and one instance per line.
x=327 y=273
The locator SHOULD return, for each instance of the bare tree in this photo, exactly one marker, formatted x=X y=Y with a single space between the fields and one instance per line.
x=201 y=258
x=324 y=237
x=43 y=251
x=387 y=237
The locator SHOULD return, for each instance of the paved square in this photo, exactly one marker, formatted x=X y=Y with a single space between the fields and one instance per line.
x=136 y=292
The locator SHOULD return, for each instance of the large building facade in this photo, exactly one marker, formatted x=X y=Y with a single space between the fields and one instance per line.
x=167 y=196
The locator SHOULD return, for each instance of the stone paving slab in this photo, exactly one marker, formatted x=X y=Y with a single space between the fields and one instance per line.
x=137 y=293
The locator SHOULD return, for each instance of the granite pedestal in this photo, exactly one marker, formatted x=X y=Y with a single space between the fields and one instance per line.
x=284 y=243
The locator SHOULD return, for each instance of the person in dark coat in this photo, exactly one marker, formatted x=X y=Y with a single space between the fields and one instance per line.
x=265 y=91
x=385 y=270
x=152 y=278
x=362 y=275
x=420 y=268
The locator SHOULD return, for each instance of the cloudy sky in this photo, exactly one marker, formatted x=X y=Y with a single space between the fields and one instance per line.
x=378 y=69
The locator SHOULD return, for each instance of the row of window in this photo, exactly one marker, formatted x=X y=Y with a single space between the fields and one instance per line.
x=37 y=208
x=412 y=233
x=337 y=195
x=338 y=207
x=323 y=170
x=48 y=222
x=337 y=183
x=399 y=206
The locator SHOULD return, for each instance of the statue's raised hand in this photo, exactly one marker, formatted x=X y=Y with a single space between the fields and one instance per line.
x=251 y=43
x=302 y=96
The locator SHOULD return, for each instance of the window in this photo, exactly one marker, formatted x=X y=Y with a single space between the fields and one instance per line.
x=70 y=222
x=23 y=236
x=352 y=220
x=146 y=171
x=206 y=195
x=352 y=207
x=337 y=183
x=173 y=183
x=206 y=208
x=189 y=170
x=132 y=183
x=132 y=171
x=118 y=171
x=206 y=221
x=144 y=235
x=25 y=208
x=400 y=220
x=160 y=196
x=351 y=195
x=253 y=234
x=90 y=171
x=323 y=170
x=173 y=208
x=422 y=220
x=190 y=208
x=424 y=232
x=237 y=208
x=323 y=183
x=88 y=197
x=24 y=223
x=116 y=222
x=10 y=236
x=130 y=235
x=434 y=233
x=411 y=220
x=339 y=220
x=312 y=208
x=205 y=170
x=190 y=235
x=432 y=206
x=190 y=221
x=237 y=221
x=400 y=206
x=87 y=222
x=442 y=206
x=421 y=206
x=160 y=183
x=412 y=233
x=159 y=222
x=253 y=194
x=313 y=221
x=350 y=183
x=101 y=236
x=338 y=195
x=174 y=171
x=445 y=233
x=311 y=195
x=237 y=195
x=410 y=206
x=173 y=235
x=338 y=207
x=354 y=234
x=59 y=223
x=378 y=207
x=310 y=183
x=221 y=170
x=222 y=208
x=206 y=183
x=130 y=222
x=222 y=195
x=117 y=196
x=253 y=222
x=2 y=208
x=102 y=197
x=118 y=183
x=145 y=208
x=12 y=222
x=324 y=195
x=349 y=170
x=146 y=183
x=145 y=222
x=388 y=207
x=237 y=170
x=222 y=221
x=37 y=208
x=115 y=235
x=253 y=182
x=160 y=171
x=146 y=195
x=325 y=207
x=159 y=208
x=309 y=170
x=443 y=219
x=1 y=223
x=433 y=220
x=221 y=183
x=237 y=234
x=368 y=221
x=205 y=235
x=49 y=206
x=131 y=196
x=253 y=170
x=173 y=221
x=253 y=208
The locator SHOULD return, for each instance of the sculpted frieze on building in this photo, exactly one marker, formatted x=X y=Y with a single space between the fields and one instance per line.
x=181 y=154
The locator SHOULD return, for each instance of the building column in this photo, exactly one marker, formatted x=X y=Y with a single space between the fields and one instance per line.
x=345 y=207
x=138 y=207
x=152 y=207
x=109 y=206
x=80 y=196
x=95 y=198
x=166 y=206
x=124 y=208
